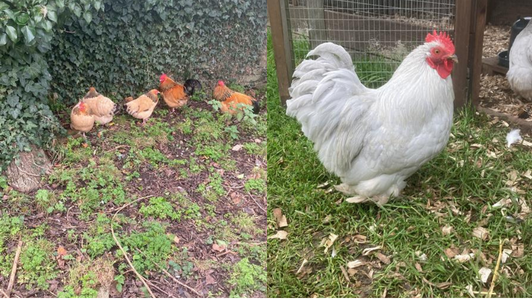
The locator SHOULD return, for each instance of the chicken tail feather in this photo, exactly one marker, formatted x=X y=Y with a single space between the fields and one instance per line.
x=191 y=85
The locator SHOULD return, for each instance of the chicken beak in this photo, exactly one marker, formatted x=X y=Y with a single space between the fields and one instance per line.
x=453 y=58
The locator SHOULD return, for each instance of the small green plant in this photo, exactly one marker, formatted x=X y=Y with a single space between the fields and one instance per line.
x=255 y=184
x=247 y=278
x=38 y=264
x=232 y=131
x=159 y=208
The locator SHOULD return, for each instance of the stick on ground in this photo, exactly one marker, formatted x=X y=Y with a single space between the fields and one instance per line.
x=496 y=271
x=122 y=249
x=14 y=269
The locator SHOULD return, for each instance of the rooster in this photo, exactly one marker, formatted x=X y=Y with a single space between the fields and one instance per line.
x=174 y=94
x=230 y=99
x=520 y=73
x=81 y=118
x=143 y=106
x=374 y=139
x=103 y=108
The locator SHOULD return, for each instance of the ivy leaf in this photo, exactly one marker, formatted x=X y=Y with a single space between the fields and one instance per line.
x=52 y=16
x=28 y=35
x=12 y=33
x=3 y=39
x=97 y=5
x=22 y=19
x=87 y=15
x=76 y=9
x=60 y=3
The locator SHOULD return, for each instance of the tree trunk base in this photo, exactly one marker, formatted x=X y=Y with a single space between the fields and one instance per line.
x=24 y=173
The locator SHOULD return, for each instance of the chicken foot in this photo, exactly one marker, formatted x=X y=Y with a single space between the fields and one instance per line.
x=345 y=189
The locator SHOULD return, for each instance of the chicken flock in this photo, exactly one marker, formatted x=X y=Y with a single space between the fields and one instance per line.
x=374 y=139
x=96 y=108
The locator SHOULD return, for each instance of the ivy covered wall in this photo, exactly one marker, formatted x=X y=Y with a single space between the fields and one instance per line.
x=129 y=44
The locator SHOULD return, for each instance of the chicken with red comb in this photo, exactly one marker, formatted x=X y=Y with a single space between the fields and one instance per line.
x=374 y=139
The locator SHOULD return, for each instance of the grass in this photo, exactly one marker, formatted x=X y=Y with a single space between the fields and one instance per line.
x=457 y=189
x=185 y=185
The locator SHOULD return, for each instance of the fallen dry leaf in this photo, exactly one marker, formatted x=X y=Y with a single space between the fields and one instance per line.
x=451 y=252
x=328 y=242
x=368 y=250
x=218 y=248
x=61 y=251
x=518 y=250
x=281 y=235
x=462 y=258
x=359 y=239
x=355 y=264
x=446 y=230
x=176 y=239
x=418 y=267
x=441 y=285
x=481 y=233
x=484 y=274
x=383 y=258
x=237 y=147
x=209 y=280
x=502 y=203
x=505 y=255
x=280 y=219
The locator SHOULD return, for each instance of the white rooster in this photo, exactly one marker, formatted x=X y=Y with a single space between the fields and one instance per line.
x=374 y=139
x=520 y=73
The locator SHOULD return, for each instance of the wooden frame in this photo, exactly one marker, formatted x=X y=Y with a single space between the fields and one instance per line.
x=470 y=20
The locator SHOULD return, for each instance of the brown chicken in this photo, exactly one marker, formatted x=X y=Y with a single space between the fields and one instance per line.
x=174 y=94
x=81 y=118
x=230 y=99
x=102 y=108
x=143 y=106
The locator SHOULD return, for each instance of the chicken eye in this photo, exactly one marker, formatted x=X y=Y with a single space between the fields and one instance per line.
x=436 y=51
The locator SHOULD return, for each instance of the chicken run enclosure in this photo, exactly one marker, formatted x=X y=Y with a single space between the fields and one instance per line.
x=380 y=33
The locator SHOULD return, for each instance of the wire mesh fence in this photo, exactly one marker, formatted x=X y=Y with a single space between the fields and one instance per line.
x=377 y=33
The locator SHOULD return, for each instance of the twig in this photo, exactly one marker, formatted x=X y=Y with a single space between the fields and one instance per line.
x=170 y=275
x=4 y=293
x=125 y=253
x=224 y=253
x=496 y=271
x=263 y=209
x=14 y=269
x=128 y=204
x=160 y=290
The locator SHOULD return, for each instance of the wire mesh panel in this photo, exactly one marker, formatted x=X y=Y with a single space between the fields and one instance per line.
x=377 y=33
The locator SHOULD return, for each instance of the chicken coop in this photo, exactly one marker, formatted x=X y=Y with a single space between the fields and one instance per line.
x=380 y=33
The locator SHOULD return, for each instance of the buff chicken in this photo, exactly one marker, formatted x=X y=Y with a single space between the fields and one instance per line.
x=143 y=106
x=81 y=118
x=102 y=108
x=231 y=99
x=174 y=94
x=374 y=139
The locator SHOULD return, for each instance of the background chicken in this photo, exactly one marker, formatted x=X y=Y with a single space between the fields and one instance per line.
x=174 y=94
x=520 y=73
x=102 y=108
x=143 y=106
x=81 y=118
x=230 y=99
x=374 y=139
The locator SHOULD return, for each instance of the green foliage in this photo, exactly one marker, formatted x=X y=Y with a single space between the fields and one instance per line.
x=26 y=32
x=255 y=184
x=38 y=264
x=128 y=46
x=154 y=243
x=159 y=208
x=247 y=278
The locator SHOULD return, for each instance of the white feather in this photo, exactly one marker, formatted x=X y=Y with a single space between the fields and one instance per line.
x=513 y=137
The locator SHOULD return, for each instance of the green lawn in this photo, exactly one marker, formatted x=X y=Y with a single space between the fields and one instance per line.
x=416 y=235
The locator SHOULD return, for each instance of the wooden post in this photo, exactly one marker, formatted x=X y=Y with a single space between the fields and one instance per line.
x=479 y=17
x=462 y=25
x=316 y=21
x=282 y=45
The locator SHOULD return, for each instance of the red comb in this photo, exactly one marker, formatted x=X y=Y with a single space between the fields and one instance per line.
x=442 y=38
